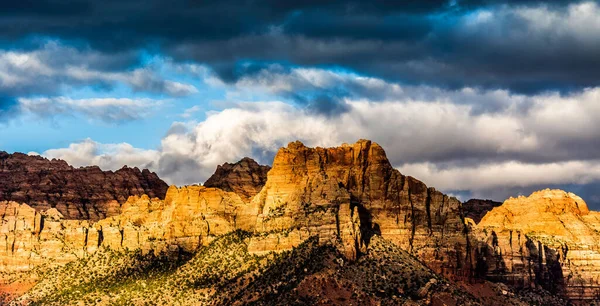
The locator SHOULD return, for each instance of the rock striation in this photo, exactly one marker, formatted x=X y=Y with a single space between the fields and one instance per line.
x=86 y=193
x=475 y=209
x=549 y=239
x=246 y=177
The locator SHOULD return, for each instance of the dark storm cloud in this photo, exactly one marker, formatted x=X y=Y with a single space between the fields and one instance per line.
x=420 y=42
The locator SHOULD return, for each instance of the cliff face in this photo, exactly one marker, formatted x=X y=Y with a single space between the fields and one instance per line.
x=189 y=217
x=246 y=177
x=549 y=239
x=344 y=196
x=352 y=192
x=77 y=193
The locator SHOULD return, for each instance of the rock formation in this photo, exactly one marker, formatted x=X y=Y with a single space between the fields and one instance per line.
x=77 y=193
x=189 y=217
x=342 y=195
x=246 y=177
x=352 y=192
x=549 y=239
x=475 y=209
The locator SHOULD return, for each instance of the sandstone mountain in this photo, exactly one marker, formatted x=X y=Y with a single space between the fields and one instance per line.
x=77 y=193
x=328 y=226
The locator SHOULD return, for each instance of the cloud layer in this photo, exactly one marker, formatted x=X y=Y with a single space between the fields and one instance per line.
x=478 y=97
x=439 y=136
x=526 y=46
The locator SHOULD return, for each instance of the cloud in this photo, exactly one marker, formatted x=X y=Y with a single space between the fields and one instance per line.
x=440 y=140
x=505 y=174
x=55 y=68
x=110 y=110
x=525 y=46
x=106 y=156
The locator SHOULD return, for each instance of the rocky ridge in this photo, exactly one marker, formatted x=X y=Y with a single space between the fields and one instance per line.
x=86 y=193
x=352 y=192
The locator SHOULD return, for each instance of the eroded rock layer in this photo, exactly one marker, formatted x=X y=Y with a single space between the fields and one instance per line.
x=77 y=193
x=549 y=239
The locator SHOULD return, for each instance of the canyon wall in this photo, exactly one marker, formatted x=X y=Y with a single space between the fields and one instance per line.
x=86 y=193
x=476 y=209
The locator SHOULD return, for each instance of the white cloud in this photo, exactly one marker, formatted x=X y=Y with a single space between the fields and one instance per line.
x=504 y=174
x=436 y=135
x=104 y=109
x=106 y=156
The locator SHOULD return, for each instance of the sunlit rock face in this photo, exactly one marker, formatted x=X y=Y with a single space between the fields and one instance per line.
x=549 y=239
x=188 y=218
x=322 y=190
x=77 y=193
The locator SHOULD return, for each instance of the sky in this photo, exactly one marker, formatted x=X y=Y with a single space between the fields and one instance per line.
x=480 y=99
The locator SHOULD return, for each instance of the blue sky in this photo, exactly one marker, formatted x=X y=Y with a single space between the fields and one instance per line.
x=478 y=98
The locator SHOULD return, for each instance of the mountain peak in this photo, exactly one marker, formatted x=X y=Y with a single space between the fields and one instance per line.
x=245 y=177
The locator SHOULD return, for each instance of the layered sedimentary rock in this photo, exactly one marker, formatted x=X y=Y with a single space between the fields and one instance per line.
x=352 y=192
x=475 y=209
x=188 y=218
x=77 y=193
x=549 y=239
x=246 y=177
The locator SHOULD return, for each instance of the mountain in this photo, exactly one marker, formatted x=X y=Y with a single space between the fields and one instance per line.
x=77 y=193
x=325 y=226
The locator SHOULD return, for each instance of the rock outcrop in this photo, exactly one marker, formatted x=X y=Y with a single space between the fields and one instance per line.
x=475 y=209
x=246 y=177
x=352 y=192
x=549 y=239
x=86 y=193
